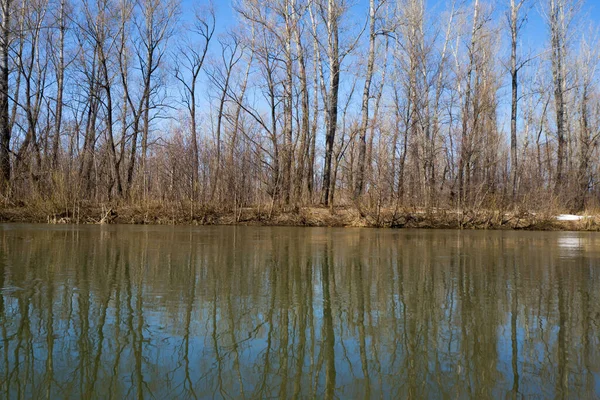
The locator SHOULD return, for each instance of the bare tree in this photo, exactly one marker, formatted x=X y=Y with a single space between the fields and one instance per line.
x=32 y=68
x=588 y=137
x=60 y=81
x=5 y=132
x=331 y=13
x=333 y=55
x=301 y=178
x=559 y=18
x=193 y=57
x=155 y=27
x=373 y=10
x=297 y=116
x=231 y=54
x=515 y=20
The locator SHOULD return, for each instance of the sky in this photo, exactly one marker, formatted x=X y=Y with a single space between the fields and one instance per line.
x=534 y=36
x=535 y=27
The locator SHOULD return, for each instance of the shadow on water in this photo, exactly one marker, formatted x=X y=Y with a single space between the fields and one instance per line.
x=248 y=312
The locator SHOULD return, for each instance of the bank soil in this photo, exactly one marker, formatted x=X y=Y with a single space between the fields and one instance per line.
x=300 y=216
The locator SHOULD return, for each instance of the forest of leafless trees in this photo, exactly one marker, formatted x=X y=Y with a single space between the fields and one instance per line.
x=372 y=103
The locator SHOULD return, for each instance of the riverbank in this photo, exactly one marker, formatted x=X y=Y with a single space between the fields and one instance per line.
x=162 y=214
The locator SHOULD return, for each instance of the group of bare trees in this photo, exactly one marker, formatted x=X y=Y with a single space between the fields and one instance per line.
x=299 y=102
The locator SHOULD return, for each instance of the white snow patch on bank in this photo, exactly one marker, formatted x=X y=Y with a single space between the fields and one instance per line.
x=569 y=217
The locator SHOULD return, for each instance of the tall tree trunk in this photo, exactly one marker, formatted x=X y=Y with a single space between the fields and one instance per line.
x=109 y=125
x=514 y=15
x=558 y=75
x=584 y=151
x=194 y=134
x=375 y=118
x=310 y=186
x=229 y=65
x=332 y=103
x=434 y=125
x=60 y=74
x=464 y=163
x=146 y=119
x=235 y=133
x=288 y=110
x=362 y=151
x=5 y=131
x=304 y=155
x=219 y=128
x=132 y=151
x=88 y=153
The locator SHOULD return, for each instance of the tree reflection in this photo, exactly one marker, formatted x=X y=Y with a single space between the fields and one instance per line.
x=246 y=312
x=328 y=332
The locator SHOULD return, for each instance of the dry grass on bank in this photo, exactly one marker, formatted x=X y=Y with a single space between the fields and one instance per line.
x=176 y=213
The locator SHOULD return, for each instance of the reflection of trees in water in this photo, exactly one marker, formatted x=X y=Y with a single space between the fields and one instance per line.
x=261 y=312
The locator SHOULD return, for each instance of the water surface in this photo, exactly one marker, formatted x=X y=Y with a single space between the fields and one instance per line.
x=260 y=312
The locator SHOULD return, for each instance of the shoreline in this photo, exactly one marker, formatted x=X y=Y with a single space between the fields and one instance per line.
x=159 y=214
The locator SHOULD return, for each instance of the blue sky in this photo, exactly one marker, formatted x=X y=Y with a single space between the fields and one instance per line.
x=534 y=37
x=590 y=9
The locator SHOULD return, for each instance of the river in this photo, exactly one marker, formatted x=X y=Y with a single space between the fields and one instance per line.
x=261 y=312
